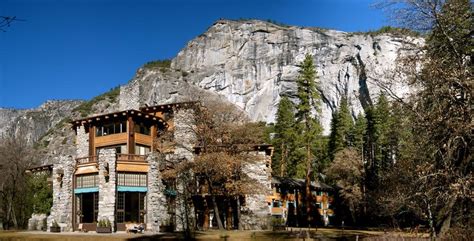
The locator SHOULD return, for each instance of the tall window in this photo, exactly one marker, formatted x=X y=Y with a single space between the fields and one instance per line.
x=111 y=128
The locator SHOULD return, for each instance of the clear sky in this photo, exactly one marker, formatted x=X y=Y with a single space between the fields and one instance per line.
x=77 y=49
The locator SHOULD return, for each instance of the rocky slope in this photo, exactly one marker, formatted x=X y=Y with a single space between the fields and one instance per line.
x=249 y=63
x=32 y=124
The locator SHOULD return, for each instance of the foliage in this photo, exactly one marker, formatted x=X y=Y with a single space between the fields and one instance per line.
x=347 y=172
x=162 y=64
x=286 y=155
x=309 y=128
x=42 y=192
x=225 y=141
x=86 y=108
x=394 y=31
x=15 y=198
x=104 y=223
x=341 y=129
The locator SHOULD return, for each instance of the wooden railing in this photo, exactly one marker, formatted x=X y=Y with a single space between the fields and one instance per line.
x=87 y=159
x=131 y=157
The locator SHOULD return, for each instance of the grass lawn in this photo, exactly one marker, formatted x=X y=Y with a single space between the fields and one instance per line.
x=294 y=234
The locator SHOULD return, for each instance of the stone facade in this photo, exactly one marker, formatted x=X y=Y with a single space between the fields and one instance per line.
x=61 y=211
x=82 y=142
x=156 y=200
x=36 y=222
x=107 y=187
x=255 y=212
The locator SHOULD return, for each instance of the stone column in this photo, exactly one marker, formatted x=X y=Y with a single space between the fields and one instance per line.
x=61 y=211
x=255 y=212
x=156 y=201
x=82 y=142
x=107 y=185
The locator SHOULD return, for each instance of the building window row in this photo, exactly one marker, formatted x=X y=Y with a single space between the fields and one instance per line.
x=111 y=128
x=89 y=180
x=132 y=179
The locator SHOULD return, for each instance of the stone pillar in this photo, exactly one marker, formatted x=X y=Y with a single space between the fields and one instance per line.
x=82 y=142
x=130 y=96
x=61 y=211
x=254 y=214
x=184 y=134
x=107 y=185
x=156 y=200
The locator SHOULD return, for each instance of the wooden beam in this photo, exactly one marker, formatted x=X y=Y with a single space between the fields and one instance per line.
x=131 y=136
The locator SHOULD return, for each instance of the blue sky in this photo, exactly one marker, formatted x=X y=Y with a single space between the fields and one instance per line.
x=77 y=49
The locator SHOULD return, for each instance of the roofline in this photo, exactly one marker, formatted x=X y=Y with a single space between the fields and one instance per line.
x=115 y=114
x=168 y=106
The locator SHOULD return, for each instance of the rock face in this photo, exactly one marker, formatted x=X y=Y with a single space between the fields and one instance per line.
x=249 y=63
x=253 y=63
x=32 y=124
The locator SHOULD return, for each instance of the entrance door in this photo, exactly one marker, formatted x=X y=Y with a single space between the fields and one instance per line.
x=87 y=208
x=131 y=207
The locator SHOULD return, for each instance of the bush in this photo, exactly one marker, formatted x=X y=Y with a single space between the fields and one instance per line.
x=162 y=65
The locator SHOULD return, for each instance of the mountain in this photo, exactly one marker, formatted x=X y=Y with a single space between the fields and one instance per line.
x=250 y=63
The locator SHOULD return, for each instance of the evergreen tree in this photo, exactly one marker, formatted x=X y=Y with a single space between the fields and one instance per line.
x=359 y=132
x=309 y=128
x=341 y=129
x=284 y=140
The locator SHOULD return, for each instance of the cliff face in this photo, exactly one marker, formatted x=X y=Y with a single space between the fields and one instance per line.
x=254 y=63
x=32 y=124
x=249 y=63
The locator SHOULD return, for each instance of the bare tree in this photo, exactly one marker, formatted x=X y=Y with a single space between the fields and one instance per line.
x=15 y=157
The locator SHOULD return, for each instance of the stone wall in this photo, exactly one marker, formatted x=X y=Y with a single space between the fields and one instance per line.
x=156 y=200
x=82 y=142
x=107 y=187
x=61 y=211
x=36 y=221
x=183 y=134
x=255 y=212
x=130 y=96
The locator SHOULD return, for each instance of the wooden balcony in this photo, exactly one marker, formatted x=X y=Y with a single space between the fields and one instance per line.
x=131 y=158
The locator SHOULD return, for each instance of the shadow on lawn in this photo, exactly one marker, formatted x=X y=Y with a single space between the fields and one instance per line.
x=257 y=236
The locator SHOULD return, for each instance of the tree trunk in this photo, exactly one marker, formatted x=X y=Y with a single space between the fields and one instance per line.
x=205 y=225
x=216 y=209
x=283 y=160
x=308 y=184
x=239 y=225
x=228 y=223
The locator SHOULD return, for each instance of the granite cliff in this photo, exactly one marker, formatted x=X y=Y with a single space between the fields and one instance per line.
x=249 y=63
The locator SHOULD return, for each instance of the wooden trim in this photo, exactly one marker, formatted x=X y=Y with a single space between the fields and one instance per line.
x=153 y=136
x=143 y=139
x=109 y=140
x=91 y=140
x=131 y=136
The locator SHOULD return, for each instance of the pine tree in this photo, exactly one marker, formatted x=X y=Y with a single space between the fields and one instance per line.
x=341 y=129
x=284 y=141
x=309 y=129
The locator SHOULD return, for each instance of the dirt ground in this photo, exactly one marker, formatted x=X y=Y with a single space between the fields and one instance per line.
x=290 y=234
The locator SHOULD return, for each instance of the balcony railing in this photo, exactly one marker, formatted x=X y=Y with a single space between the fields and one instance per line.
x=131 y=157
x=86 y=160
